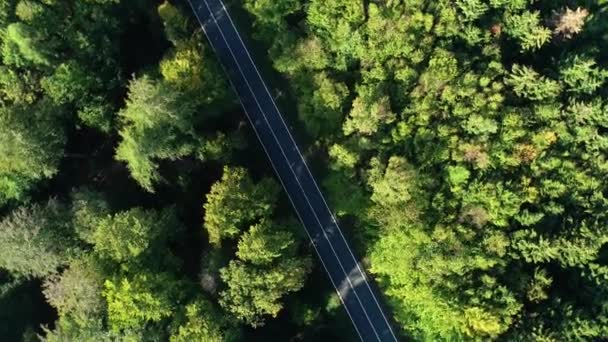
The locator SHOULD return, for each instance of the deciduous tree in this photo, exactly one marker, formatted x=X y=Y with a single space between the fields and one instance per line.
x=127 y=235
x=201 y=321
x=236 y=201
x=142 y=298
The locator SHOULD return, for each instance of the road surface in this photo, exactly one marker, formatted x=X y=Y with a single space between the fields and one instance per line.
x=359 y=299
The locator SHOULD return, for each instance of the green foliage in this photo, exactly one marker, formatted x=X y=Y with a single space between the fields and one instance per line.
x=510 y=4
x=472 y=9
x=71 y=83
x=90 y=331
x=581 y=76
x=336 y=23
x=528 y=84
x=23 y=46
x=268 y=268
x=458 y=176
x=190 y=70
x=157 y=124
x=465 y=142
x=88 y=209
x=68 y=83
x=369 y=112
x=263 y=243
x=417 y=286
x=396 y=186
x=53 y=68
x=136 y=300
x=271 y=17
x=323 y=113
x=470 y=157
x=305 y=54
x=176 y=24
x=235 y=201
x=127 y=235
x=202 y=322
x=75 y=63
x=342 y=157
x=396 y=198
x=526 y=28
x=320 y=14
x=36 y=240
x=77 y=291
x=28 y=153
x=345 y=196
x=160 y=118
x=253 y=293
x=94 y=330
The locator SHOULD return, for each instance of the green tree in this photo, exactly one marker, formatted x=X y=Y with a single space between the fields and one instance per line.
x=77 y=291
x=136 y=300
x=23 y=46
x=526 y=28
x=342 y=157
x=421 y=294
x=472 y=9
x=28 y=153
x=72 y=84
x=201 y=321
x=268 y=268
x=323 y=113
x=263 y=243
x=254 y=293
x=52 y=63
x=235 y=201
x=127 y=235
x=88 y=208
x=582 y=76
x=176 y=24
x=306 y=54
x=270 y=18
x=369 y=113
x=345 y=195
x=160 y=119
x=337 y=24
x=157 y=124
x=469 y=166
x=36 y=240
x=528 y=84
x=66 y=329
x=94 y=330
x=396 y=186
x=189 y=68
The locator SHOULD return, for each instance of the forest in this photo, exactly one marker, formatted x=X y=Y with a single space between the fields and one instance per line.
x=462 y=145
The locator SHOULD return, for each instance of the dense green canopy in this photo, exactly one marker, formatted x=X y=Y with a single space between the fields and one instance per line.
x=462 y=144
x=471 y=154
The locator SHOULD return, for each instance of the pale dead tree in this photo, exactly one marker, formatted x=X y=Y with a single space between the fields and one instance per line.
x=208 y=282
x=569 y=22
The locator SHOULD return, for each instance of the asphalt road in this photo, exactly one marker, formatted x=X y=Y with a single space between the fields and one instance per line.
x=359 y=298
